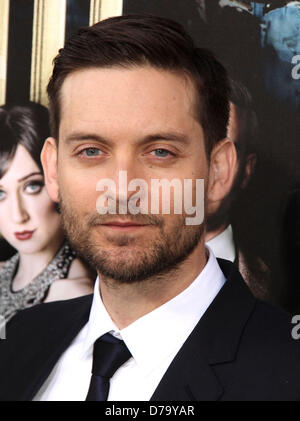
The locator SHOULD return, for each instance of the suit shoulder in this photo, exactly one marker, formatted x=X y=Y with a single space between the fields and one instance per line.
x=39 y=316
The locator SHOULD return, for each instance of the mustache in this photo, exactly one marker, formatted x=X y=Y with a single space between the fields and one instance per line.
x=97 y=219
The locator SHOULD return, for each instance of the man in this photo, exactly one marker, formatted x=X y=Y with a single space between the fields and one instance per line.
x=167 y=321
x=222 y=234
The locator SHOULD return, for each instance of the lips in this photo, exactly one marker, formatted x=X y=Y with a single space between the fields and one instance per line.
x=124 y=225
x=24 y=235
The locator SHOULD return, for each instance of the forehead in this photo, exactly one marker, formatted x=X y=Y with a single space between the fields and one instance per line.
x=114 y=99
x=21 y=165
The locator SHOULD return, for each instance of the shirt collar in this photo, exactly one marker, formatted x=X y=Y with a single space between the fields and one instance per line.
x=99 y=322
x=223 y=245
x=155 y=336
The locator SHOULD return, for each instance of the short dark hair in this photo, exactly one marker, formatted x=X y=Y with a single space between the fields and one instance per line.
x=26 y=125
x=249 y=127
x=133 y=40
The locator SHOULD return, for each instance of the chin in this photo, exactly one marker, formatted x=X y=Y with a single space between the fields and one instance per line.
x=29 y=247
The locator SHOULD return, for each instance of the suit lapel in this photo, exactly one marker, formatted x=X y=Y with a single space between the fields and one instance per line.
x=214 y=340
x=188 y=378
x=52 y=327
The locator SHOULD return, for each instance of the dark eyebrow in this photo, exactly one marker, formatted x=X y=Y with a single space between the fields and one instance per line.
x=79 y=137
x=167 y=136
x=28 y=176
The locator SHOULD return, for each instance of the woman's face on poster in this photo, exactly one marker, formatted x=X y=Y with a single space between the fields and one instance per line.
x=28 y=219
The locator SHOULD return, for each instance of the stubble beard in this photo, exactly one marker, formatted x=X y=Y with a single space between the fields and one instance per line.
x=124 y=261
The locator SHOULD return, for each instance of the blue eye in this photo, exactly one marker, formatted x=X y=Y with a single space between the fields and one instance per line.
x=91 y=152
x=34 y=187
x=161 y=153
x=2 y=194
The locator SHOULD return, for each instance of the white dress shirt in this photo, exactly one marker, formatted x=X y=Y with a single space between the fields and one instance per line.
x=153 y=340
x=223 y=245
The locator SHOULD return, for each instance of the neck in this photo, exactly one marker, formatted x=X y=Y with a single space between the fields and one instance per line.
x=126 y=303
x=31 y=265
x=212 y=234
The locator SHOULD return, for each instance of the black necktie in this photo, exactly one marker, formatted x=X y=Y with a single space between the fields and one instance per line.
x=109 y=354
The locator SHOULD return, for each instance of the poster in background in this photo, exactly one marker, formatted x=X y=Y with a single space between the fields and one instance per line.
x=259 y=43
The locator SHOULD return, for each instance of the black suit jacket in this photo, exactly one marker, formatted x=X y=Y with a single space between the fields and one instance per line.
x=241 y=349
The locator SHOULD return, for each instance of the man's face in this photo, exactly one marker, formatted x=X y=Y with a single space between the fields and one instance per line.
x=140 y=120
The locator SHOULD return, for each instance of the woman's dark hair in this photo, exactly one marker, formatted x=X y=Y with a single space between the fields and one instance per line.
x=26 y=125
x=136 y=40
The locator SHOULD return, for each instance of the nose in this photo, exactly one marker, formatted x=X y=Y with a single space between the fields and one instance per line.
x=119 y=172
x=126 y=168
x=19 y=213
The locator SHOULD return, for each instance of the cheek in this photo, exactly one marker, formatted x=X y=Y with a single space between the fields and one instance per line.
x=4 y=214
x=79 y=192
x=5 y=220
x=42 y=210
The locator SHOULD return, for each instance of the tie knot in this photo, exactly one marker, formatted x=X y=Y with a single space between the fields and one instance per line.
x=109 y=354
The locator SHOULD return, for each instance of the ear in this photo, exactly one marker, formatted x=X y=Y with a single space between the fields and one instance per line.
x=49 y=162
x=222 y=170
